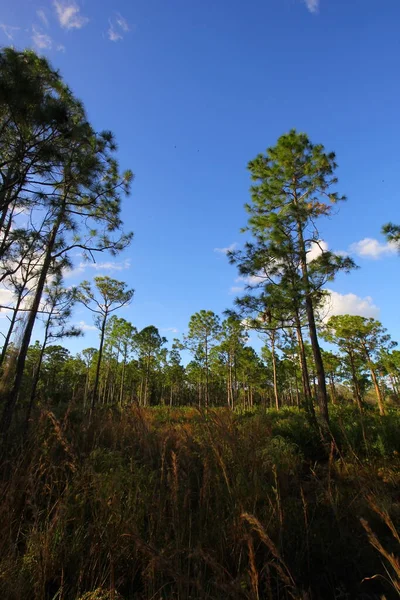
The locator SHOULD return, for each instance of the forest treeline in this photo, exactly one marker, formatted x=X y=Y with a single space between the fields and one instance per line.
x=61 y=192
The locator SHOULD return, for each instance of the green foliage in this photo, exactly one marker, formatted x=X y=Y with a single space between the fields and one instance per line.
x=293 y=187
x=392 y=233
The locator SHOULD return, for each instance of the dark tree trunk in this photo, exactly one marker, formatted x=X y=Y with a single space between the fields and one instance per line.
x=276 y=395
x=100 y=356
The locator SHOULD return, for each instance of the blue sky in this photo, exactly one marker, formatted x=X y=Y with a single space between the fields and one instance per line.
x=194 y=90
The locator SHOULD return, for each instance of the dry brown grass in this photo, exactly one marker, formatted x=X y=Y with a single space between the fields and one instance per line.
x=144 y=505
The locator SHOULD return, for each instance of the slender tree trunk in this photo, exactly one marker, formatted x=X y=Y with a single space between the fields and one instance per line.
x=230 y=382
x=206 y=396
x=37 y=374
x=374 y=378
x=304 y=368
x=314 y=384
x=358 y=396
x=141 y=391
x=121 y=392
x=297 y=389
x=100 y=356
x=85 y=395
x=394 y=387
x=276 y=395
x=6 y=231
x=319 y=365
x=105 y=385
x=147 y=380
x=9 y=332
x=333 y=389
x=291 y=401
x=378 y=390
x=396 y=380
x=235 y=382
x=355 y=382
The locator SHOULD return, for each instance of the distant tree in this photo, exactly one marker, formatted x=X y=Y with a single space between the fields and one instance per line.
x=109 y=295
x=55 y=358
x=148 y=343
x=232 y=337
x=118 y=342
x=332 y=365
x=125 y=333
x=251 y=375
x=57 y=308
x=389 y=362
x=175 y=372
x=88 y=356
x=204 y=330
x=294 y=366
x=194 y=374
x=360 y=336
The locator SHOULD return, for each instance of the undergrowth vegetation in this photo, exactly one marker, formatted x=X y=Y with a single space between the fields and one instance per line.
x=177 y=504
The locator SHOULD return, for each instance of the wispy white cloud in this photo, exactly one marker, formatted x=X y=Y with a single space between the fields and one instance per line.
x=348 y=304
x=85 y=327
x=312 y=5
x=227 y=249
x=42 y=16
x=372 y=248
x=8 y=30
x=122 y=23
x=251 y=280
x=170 y=329
x=236 y=289
x=68 y=14
x=113 y=35
x=107 y=266
x=97 y=266
x=41 y=40
x=118 y=26
x=70 y=273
